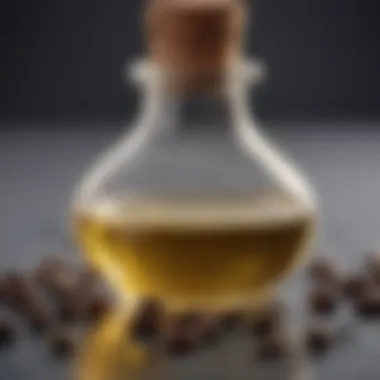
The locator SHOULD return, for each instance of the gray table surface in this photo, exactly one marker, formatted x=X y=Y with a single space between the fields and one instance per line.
x=40 y=164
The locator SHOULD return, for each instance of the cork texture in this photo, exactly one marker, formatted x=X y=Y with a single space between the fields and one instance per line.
x=195 y=37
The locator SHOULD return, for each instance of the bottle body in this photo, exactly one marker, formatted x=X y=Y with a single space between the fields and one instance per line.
x=201 y=262
x=194 y=206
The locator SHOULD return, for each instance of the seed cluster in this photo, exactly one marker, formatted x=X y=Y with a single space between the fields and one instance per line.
x=58 y=295
x=51 y=301
x=359 y=290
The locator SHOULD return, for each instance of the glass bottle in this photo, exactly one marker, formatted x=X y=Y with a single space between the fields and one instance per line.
x=194 y=204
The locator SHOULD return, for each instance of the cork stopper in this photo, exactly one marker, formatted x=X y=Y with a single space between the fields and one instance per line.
x=195 y=38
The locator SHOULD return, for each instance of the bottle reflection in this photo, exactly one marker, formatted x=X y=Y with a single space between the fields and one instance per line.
x=111 y=352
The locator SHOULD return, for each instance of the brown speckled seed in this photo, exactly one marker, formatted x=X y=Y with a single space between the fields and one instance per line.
x=12 y=282
x=182 y=342
x=267 y=320
x=209 y=330
x=61 y=343
x=4 y=289
x=146 y=327
x=372 y=260
x=322 y=270
x=368 y=305
x=76 y=304
x=90 y=274
x=147 y=321
x=318 y=339
x=355 y=286
x=98 y=306
x=28 y=299
x=8 y=332
x=67 y=312
x=151 y=307
x=372 y=265
x=58 y=277
x=272 y=347
x=323 y=301
x=187 y=320
x=231 y=320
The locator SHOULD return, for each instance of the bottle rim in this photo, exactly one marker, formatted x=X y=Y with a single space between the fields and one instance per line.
x=250 y=71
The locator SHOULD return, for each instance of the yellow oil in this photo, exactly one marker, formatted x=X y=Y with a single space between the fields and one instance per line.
x=210 y=252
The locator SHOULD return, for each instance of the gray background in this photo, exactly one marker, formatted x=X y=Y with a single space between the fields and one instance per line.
x=61 y=60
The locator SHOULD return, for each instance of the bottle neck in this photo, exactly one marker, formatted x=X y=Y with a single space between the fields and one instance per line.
x=208 y=108
x=200 y=112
